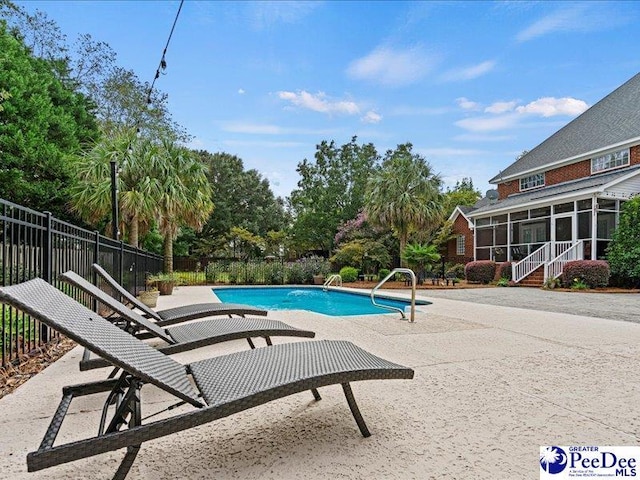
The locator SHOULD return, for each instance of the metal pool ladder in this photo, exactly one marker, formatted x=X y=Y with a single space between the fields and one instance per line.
x=412 y=275
x=335 y=276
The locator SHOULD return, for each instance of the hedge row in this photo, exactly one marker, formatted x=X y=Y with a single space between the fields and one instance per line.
x=482 y=271
x=595 y=273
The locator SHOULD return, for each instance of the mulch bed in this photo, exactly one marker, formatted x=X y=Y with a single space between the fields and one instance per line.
x=12 y=376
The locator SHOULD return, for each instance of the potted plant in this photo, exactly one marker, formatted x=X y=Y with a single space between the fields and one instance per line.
x=149 y=297
x=164 y=282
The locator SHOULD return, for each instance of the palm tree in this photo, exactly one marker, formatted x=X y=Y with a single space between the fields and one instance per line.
x=418 y=256
x=404 y=194
x=138 y=193
x=185 y=195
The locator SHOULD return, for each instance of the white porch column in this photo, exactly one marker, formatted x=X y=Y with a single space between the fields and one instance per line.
x=594 y=226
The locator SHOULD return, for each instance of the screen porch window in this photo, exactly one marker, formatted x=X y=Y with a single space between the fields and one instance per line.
x=460 y=245
x=532 y=181
x=610 y=160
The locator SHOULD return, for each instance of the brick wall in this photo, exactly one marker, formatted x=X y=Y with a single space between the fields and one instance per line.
x=460 y=227
x=566 y=173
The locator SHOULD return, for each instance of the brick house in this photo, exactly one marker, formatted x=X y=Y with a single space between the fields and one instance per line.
x=561 y=200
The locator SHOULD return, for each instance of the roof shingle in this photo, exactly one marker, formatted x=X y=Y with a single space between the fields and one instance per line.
x=612 y=120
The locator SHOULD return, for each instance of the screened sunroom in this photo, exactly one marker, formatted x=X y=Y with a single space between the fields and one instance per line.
x=584 y=211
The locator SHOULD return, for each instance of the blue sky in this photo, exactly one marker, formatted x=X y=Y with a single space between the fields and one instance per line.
x=469 y=84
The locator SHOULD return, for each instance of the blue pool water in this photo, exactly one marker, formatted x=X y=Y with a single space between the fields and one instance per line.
x=331 y=302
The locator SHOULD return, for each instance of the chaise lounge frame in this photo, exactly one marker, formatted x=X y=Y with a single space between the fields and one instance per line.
x=181 y=338
x=221 y=385
x=174 y=315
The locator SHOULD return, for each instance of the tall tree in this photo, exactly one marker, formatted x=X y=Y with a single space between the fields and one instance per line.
x=185 y=194
x=404 y=194
x=41 y=122
x=242 y=198
x=138 y=188
x=462 y=194
x=89 y=66
x=330 y=191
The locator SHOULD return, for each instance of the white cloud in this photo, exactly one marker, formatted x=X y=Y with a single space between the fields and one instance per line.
x=501 y=107
x=393 y=67
x=371 y=117
x=577 y=17
x=241 y=91
x=265 y=14
x=505 y=116
x=551 y=107
x=469 y=73
x=488 y=124
x=466 y=104
x=557 y=21
x=319 y=103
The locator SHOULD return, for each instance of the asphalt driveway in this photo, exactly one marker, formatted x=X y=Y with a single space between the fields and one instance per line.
x=613 y=306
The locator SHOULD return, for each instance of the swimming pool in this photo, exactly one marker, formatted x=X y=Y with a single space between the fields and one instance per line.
x=331 y=302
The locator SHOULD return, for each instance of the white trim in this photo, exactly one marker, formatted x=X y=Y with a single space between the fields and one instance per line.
x=575 y=159
x=615 y=167
x=529 y=177
x=552 y=199
x=458 y=211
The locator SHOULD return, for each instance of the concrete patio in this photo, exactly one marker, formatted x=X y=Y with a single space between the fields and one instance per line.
x=492 y=384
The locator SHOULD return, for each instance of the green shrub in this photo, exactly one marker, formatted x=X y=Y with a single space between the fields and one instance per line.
x=274 y=274
x=294 y=273
x=349 y=274
x=623 y=253
x=482 y=271
x=593 y=273
x=311 y=266
x=504 y=270
x=503 y=282
x=383 y=272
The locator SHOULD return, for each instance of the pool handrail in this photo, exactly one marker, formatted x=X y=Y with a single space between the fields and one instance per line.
x=412 y=275
x=335 y=276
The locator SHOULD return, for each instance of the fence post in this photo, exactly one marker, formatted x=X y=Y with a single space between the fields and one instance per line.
x=121 y=264
x=94 y=276
x=47 y=267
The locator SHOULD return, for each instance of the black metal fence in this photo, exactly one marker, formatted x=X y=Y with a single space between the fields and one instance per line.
x=35 y=244
x=258 y=271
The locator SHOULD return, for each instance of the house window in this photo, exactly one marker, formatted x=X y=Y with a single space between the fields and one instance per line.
x=532 y=181
x=460 y=245
x=610 y=160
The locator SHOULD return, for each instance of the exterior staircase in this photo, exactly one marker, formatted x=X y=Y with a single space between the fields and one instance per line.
x=546 y=262
x=534 y=279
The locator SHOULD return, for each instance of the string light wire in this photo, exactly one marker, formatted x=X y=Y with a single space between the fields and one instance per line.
x=162 y=66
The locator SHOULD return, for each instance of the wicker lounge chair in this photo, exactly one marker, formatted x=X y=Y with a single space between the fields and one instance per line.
x=175 y=315
x=221 y=385
x=181 y=338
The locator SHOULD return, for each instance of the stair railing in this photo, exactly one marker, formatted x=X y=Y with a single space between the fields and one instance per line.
x=531 y=262
x=336 y=277
x=553 y=268
x=412 y=275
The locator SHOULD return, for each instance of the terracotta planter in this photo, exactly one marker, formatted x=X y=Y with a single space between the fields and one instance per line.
x=318 y=279
x=166 y=286
x=149 y=298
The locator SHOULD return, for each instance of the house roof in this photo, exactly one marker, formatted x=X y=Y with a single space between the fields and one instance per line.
x=571 y=187
x=465 y=210
x=612 y=121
